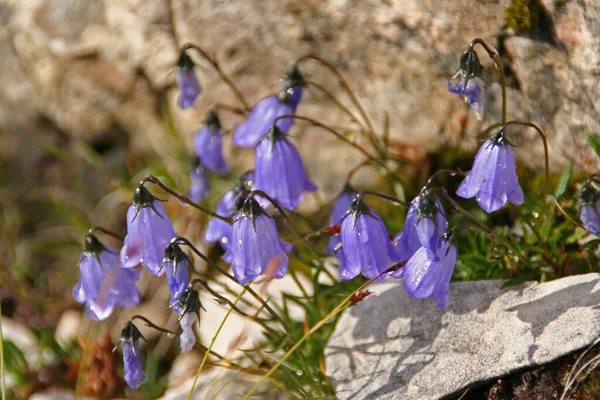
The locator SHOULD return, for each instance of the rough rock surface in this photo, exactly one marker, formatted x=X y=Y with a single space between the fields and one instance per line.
x=391 y=346
x=88 y=67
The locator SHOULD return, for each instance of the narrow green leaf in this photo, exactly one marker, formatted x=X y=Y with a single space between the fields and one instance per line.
x=564 y=181
x=594 y=141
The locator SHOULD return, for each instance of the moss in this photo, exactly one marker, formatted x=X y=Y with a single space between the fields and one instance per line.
x=522 y=15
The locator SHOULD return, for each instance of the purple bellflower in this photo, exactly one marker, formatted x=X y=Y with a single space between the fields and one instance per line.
x=176 y=266
x=132 y=359
x=255 y=245
x=342 y=204
x=428 y=272
x=366 y=246
x=231 y=203
x=589 y=198
x=279 y=170
x=188 y=308
x=469 y=86
x=493 y=180
x=199 y=183
x=149 y=231
x=189 y=88
x=208 y=144
x=263 y=115
x=104 y=284
x=425 y=223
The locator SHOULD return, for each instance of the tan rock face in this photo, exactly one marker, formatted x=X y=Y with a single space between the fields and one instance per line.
x=88 y=65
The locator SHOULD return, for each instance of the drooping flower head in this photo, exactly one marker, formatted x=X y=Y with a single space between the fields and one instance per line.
x=493 y=180
x=424 y=225
x=470 y=72
x=341 y=206
x=188 y=308
x=149 y=231
x=279 y=170
x=255 y=245
x=199 y=183
x=263 y=115
x=175 y=264
x=132 y=359
x=189 y=88
x=231 y=203
x=208 y=144
x=428 y=272
x=589 y=212
x=366 y=246
x=103 y=283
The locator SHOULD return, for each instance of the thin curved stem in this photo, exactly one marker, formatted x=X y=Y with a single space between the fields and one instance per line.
x=342 y=82
x=271 y=200
x=225 y=107
x=105 y=231
x=221 y=73
x=544 y=137
x=452 y=172
x=358 y=167
x=384 y=196
x=330 y=130
x=182 y=240
x=183 y=198
x=212 y=342
x=223 y=299
x=370 y=135
x=152 y=325
x=319 y=324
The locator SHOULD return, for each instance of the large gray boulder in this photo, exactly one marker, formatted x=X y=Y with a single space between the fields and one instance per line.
x=393 y=347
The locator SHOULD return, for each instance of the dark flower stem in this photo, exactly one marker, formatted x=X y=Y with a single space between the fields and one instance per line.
x=224 y=299
x=183 y=198
x=221 y=73
x=271 y=200
x=493 y=54
x=452 y=172
x=340 y=307
x=342 y=82
x=330 y=130
x=152 y=325
x=182 y=240
x=370 y=135
x=224 y=107
x=384 y=196
x=544 y=137
x=105 y=231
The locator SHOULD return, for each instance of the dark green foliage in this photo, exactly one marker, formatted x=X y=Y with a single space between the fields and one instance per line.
x=522 y=15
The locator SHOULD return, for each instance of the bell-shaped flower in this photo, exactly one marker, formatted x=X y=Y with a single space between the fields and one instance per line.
x=425 y=223
x=366 y=246
x=255 y=245
x=208 y=144
x=188 y=308
x=279 y=170
x=341 y=205
x=199 y=182
x=589 y=212
x=104 y=284
x=231 y=203
x=262 y=116
x=149 y=231
x=493 y=180
x=175 y=264
x=132 y=359
x=189 y=88
x=469 y=86
x=428 y=272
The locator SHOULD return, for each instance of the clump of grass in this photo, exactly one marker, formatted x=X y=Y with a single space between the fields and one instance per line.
x=522 y=15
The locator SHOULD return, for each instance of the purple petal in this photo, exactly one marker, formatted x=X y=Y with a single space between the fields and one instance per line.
x=590 y=217
x=177 y=278
x=280 y=172
x=189 y=88
x=261 y=120
x=187 y=339
x=208 y=144
x=132 y=363
x=219 y=230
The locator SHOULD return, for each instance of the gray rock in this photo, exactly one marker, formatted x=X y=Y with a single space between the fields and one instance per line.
x=391 y=346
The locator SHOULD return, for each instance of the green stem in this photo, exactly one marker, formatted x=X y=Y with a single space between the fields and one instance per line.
x=212 y=342
x=340 y=307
